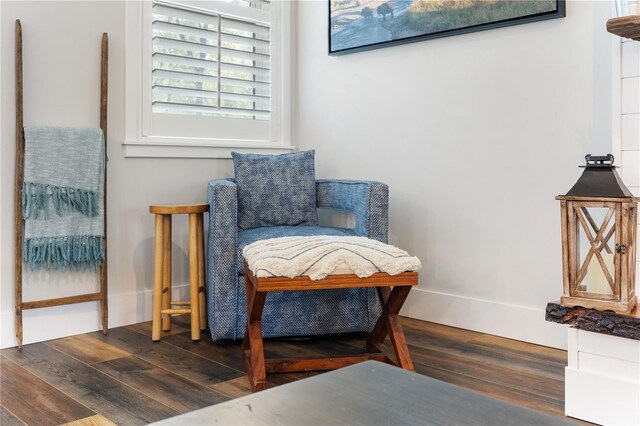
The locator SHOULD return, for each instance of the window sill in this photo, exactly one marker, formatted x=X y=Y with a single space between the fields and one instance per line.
x=174 y=149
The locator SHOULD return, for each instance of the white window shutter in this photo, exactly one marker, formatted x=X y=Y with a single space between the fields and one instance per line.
x=211 y=63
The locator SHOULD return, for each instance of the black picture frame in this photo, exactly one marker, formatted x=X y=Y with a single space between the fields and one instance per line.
x=558 y=12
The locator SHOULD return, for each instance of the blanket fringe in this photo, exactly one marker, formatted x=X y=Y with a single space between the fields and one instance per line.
x=35 y=197
x=77 y=252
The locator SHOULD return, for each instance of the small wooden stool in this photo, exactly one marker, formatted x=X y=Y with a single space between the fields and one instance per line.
x=162 y=303
x=388 y=323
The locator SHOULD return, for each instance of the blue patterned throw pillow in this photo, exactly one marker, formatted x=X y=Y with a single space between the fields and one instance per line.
x=276 y=190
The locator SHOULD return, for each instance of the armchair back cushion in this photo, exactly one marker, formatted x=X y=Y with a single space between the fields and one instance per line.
x=276 y=190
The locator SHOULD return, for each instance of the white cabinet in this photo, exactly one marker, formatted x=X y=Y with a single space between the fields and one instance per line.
x=602 y=379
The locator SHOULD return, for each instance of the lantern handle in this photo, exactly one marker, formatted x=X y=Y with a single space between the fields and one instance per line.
x=603 y=160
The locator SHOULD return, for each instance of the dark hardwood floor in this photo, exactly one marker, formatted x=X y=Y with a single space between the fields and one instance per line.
x=127 y=379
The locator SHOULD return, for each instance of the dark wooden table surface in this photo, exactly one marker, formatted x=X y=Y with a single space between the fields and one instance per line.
x=369 y=393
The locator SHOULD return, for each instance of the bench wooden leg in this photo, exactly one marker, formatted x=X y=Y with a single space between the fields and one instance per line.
x=252 y=346
x=389 y=324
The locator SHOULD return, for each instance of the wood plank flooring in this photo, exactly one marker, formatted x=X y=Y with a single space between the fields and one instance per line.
x=125 y=378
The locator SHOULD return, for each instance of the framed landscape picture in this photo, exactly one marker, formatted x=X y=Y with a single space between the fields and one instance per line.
x=356 y=25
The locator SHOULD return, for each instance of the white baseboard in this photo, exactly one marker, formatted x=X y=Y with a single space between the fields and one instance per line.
x=511 y=321
x=501 y=319
x=44 y=324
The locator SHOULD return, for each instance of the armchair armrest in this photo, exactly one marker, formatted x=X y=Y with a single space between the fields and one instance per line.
x=221 y=256
x=367 y=200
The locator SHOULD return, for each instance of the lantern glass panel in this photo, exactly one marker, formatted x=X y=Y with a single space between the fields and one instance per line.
x=596 y=250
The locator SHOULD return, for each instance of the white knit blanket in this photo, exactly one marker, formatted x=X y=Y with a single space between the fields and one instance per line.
x=319 y=256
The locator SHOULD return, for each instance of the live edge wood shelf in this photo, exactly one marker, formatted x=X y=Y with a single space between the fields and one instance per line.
x=626 y=26
x=607 y=322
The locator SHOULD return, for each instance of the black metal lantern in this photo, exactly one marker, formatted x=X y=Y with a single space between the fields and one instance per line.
x=599 y=228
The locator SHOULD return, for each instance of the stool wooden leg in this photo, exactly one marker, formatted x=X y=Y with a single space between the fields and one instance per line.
x=157 y=285
x=388 y=323
x=166 y=274
x=201 y=274
x=252 y=346
x=194 y=277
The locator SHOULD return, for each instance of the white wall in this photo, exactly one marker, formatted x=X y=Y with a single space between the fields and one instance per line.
x=61 y=81
x=475 y=134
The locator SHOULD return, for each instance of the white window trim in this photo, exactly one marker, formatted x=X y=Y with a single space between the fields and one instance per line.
x=138 y=141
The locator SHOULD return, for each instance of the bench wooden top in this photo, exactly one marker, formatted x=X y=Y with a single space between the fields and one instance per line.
x=178 y=208
x=381 y=279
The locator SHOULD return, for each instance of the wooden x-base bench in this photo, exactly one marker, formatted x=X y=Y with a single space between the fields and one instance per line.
x=388 y=324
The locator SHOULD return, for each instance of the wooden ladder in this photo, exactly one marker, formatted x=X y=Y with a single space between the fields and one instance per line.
x=101 y=295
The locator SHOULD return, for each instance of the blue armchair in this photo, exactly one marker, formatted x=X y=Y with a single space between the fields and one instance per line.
x=290 y=313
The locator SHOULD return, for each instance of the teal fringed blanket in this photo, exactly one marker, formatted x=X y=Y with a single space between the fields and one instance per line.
x=62 y=197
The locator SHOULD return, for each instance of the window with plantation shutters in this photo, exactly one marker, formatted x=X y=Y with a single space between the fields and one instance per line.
x=213 y=74
x=206 y=63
